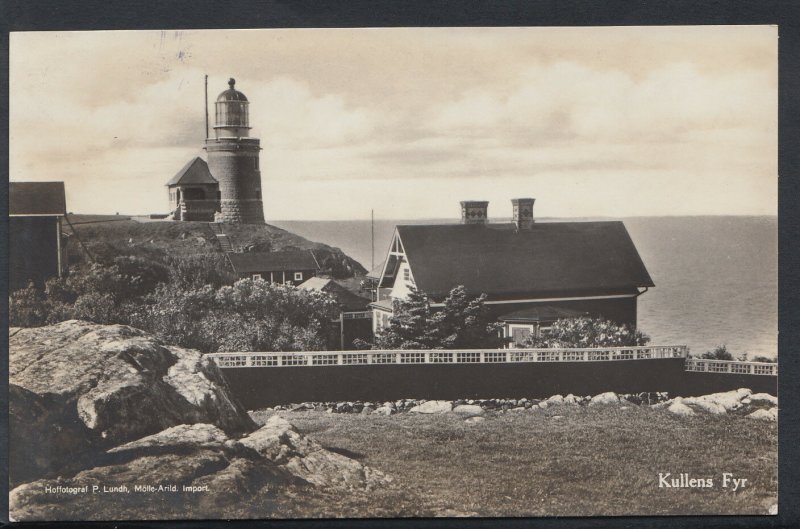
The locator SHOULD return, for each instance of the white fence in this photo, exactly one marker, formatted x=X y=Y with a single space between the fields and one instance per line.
x=465 y=356
x=731 y=366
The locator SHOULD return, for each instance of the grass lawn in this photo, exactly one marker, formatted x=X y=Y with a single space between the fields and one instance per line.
x=587 y=461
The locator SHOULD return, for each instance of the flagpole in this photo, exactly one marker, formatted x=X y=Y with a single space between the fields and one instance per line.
x=206 y=107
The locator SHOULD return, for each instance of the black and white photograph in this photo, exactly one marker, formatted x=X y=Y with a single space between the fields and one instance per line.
x=393 y=272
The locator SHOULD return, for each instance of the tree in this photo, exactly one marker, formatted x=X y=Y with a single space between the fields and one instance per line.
x=410 y=326
x=462 y=323
x=719 y=353
x=588 y=332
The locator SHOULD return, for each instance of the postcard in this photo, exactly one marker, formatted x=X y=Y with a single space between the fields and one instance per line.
x=393 y=272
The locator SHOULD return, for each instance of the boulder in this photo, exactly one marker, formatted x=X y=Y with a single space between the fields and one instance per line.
x=679 y=408
x=195 y=435
x=433 y=406
x=474 y=420
x=306 y=459
x=766 y=415
x=384 y=410
x=760 y=398
x=215 y=473
x=556 y=399
x=719 y=403
x=572 y=400
x=200 y=469
x=604 y=398
x=94 y=386
x=46 y=436
x=123 y=383
x=468 y=410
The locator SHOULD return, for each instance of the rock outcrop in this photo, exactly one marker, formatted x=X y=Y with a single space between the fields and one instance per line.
x=306 y=459
x=122 y=383
x=153 y=427
x=196 y=465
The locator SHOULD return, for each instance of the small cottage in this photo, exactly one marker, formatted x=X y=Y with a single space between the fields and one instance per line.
x=355 y=317
x=533 y=273
x=193 y=193
x=287 y=267
x=37 y=244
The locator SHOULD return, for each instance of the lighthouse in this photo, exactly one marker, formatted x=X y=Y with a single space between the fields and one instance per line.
x=233 y=159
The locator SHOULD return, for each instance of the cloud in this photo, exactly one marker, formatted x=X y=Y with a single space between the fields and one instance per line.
x=658 y=119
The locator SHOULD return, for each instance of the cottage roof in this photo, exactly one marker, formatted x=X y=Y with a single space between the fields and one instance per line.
x=548 y=258
x=286 y=261
x=347 y=300
x=36 y=198
x=194 y=172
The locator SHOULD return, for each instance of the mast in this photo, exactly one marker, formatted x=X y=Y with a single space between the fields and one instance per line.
x=372 y=228
x=206 y=106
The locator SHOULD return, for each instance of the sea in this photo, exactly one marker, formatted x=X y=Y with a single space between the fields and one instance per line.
x=716 y=277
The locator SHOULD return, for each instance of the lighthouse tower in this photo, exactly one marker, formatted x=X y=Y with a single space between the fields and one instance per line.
x=233 y=160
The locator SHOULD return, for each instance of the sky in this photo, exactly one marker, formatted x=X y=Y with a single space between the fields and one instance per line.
x=612 y=121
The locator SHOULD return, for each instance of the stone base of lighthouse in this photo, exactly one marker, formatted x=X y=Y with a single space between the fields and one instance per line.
x=242 y=211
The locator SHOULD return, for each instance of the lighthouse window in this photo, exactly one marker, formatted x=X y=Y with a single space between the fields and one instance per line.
x=258 y=194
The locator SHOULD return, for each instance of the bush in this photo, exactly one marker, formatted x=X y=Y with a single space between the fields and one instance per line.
x=188 y=302
x=27 y=307
x=251 y=315
x=195 y=271
x=719 y=353
x=462 y=323
x=588 y=332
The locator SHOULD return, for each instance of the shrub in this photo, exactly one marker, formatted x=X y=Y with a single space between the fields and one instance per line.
x=719 y=353
x=461 y=323
x=27 y=307
x=251 y=315
x=195 y=271
x=588 y=332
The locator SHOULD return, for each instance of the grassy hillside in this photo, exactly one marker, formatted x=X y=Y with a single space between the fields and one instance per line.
x=562 y=461
x=108 y=236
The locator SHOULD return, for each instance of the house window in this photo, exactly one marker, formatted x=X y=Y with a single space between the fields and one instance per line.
x=407 y=274
x=256 y=276
x=298 y=276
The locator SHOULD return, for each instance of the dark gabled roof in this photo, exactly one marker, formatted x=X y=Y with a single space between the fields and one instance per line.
x=194 y=172
x=348 y=301
x=254 y=262
x=548 y=258
x=540 y=313
x=36 y=198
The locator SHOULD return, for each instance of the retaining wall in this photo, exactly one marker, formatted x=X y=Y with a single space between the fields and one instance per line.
x=259 y=387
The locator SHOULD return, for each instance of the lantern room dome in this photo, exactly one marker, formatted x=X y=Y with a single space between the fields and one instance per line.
x=231 y=94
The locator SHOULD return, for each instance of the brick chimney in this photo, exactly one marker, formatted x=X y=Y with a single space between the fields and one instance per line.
x=523 y=212
x=474 y=211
